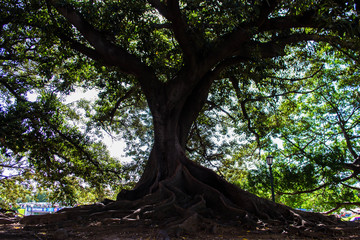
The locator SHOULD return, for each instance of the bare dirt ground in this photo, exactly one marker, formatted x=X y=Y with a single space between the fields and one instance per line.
x=138 y=230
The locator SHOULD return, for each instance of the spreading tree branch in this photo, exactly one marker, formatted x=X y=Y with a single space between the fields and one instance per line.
x=243 y=109
x=341 y=122
x=120 y=100
x=351 y=187
x=317 y=188
x=299 y=79
x=213 y=105
x=109 y=52
x=305 y=191
x=185 y=37
x=339 y=205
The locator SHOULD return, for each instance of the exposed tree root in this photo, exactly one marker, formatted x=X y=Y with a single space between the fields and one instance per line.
x=184 y=204
x=8 y=217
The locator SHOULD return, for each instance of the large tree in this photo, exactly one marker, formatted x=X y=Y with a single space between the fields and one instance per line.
x=181 y=57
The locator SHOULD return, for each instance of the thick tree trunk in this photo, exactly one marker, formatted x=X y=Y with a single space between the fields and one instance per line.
x=169 y=169
x=174 y=109
x=166 y=156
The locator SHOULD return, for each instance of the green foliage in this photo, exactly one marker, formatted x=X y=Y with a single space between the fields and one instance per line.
x=37 y=128
x=317 y=136
x=306 y=97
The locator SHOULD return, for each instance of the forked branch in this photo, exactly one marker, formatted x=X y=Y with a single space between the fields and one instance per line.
x=110 y=53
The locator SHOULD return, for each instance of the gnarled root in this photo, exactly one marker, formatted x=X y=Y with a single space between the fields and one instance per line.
x=185 y=203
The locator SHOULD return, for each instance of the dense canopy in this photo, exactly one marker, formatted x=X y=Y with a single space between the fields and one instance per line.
x=192 y=87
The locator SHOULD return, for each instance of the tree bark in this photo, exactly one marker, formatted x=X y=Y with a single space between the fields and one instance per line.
x=171 y=128
x=169 y=167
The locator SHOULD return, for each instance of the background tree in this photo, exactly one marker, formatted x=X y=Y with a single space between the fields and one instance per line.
x=39 y=134
x=319 y=155
x=178 y=61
